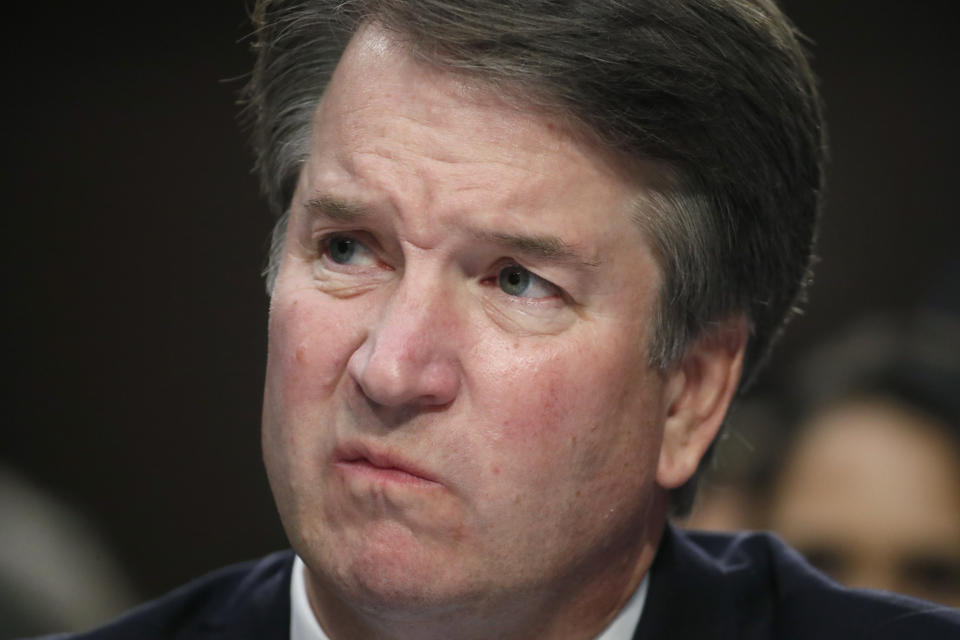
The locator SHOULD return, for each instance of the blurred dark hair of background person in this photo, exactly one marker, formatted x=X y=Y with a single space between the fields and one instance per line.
x=866 y=483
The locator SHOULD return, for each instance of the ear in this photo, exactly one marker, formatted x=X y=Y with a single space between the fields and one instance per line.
x=698 y=392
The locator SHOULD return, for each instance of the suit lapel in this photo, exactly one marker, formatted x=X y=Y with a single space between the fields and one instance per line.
x=259 y=608
x=688 y=596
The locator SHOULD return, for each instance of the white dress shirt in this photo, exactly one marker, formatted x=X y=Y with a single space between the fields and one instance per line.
x=304 y=625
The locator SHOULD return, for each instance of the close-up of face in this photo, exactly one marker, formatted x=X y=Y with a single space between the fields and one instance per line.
x=457 y=390
x=871 y=495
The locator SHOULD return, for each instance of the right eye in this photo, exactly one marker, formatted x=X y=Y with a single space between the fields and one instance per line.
x=347 y=250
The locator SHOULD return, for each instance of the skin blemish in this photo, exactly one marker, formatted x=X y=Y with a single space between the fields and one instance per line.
x=301 y=353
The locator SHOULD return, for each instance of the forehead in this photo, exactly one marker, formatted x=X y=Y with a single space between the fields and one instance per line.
x=378 y=69
x=382 y=90
x=418 y=138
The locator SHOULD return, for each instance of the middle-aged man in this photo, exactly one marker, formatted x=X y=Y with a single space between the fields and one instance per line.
x=527 y=251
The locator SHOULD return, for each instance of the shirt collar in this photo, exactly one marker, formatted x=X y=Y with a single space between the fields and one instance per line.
x=304 y=625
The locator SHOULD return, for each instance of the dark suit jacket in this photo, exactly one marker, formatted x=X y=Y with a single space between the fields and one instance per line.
x=747 y=586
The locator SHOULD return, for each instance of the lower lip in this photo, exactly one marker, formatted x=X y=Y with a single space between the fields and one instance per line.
x=364 y=470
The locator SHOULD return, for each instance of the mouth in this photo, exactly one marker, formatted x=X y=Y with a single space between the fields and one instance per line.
x=355 y=460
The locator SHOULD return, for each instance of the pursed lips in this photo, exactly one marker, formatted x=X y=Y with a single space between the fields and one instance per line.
x=359 y=459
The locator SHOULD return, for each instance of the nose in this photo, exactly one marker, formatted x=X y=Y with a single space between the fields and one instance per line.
x=409 y=357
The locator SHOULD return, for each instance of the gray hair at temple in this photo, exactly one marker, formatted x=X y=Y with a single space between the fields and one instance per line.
x=718 y=93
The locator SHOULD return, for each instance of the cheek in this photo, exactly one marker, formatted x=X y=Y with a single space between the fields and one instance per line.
x=310 y=341
x=574 y=411
x=571 y=448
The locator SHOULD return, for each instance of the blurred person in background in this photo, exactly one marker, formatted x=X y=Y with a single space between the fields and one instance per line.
x=866 y=484
x=869 y=490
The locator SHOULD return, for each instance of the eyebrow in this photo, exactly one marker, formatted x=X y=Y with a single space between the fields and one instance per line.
x=549 y=248
x=337 y=210
x=541 y=247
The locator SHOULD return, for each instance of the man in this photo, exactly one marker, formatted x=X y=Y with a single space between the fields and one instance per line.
x=526 y=252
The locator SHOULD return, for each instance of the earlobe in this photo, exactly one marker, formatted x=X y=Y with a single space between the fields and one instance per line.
x=697 y=394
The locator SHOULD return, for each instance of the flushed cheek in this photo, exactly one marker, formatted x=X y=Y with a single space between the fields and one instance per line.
x=552 y=393
x=568 y=420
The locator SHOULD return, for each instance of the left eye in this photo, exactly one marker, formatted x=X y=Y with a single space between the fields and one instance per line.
x=346 y=250
x=516 y=281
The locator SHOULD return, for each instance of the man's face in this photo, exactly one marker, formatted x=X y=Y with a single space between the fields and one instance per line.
x=457 y=402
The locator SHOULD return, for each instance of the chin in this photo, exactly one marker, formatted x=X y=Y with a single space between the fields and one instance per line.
x=395 y=573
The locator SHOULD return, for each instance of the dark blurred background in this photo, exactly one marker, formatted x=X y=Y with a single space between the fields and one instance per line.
x=135 y=322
